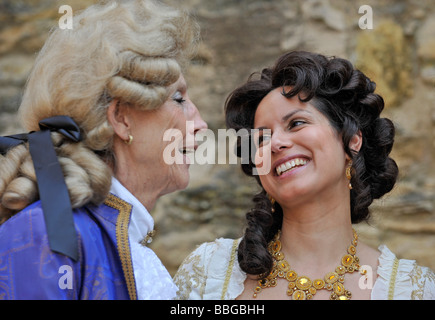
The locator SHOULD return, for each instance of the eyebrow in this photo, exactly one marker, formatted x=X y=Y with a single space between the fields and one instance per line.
x=288 y=116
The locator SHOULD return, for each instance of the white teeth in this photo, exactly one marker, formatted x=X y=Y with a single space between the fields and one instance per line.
x=290 y=165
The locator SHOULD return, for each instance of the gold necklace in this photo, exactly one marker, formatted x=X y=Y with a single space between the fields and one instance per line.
x=302 y=287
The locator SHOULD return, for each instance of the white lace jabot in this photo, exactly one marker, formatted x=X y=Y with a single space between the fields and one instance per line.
x=212 y=272
x=153 y=281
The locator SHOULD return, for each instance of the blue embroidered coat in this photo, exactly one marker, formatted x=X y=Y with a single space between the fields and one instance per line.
x=30 y=270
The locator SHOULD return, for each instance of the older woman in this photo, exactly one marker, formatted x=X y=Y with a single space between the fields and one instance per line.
x=77 y=190
x=327 y=148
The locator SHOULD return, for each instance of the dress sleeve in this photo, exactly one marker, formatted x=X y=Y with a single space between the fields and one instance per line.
x=192 y=274
x=422 y=283
x=211 y=272
x=402 y=279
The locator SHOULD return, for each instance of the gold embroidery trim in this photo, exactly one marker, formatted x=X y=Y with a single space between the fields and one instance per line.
x=122 y=242
x=393 y=279
x=230 y=269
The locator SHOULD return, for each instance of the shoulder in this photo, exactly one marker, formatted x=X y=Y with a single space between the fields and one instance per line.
x=206 y=269
x=25 y=234
x=217 y=250
x=402 y=279
x=28 y=225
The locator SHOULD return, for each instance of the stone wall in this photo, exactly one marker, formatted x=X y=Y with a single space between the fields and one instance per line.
x=242 y=36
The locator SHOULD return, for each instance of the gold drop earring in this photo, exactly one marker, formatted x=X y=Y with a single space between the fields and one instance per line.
x=272 y=201
x=349 y=173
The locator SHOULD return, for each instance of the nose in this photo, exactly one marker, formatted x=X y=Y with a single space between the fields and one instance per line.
x=198 y=123
x=280 y=141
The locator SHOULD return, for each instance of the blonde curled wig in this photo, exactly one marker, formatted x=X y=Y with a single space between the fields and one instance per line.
x=129 y=50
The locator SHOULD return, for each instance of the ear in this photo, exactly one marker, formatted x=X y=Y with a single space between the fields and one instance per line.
x=117 y=116
x=356 y=142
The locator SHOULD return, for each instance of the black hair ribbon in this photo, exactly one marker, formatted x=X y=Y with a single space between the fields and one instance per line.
x=53 y=192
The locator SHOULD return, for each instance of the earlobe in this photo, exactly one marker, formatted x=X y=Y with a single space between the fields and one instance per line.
x=118 y=120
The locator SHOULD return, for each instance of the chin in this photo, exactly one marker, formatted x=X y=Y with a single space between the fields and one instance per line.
x=182 y=180
x=184 y=184
x=295 y=194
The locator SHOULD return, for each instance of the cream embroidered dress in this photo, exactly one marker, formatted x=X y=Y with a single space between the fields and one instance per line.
x=212 y=272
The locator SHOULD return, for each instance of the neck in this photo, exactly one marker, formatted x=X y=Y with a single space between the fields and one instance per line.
x=143 y=187
x=315 y=236
x=142 y=194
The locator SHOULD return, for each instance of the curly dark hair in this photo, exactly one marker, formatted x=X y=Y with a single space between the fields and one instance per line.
x=346 y=97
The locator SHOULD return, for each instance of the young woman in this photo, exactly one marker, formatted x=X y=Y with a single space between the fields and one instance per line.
x=327 y=148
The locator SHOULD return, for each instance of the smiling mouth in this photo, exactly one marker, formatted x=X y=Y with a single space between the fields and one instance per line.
x=290 y=165
x=186 y=150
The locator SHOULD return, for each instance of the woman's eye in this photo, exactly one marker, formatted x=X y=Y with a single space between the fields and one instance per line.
x=178 y=97
x=296 y=123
